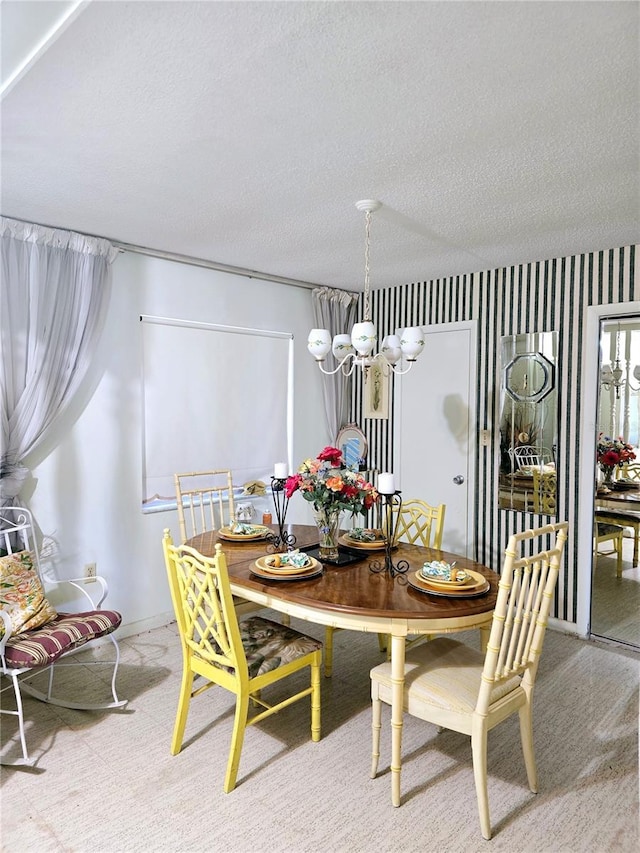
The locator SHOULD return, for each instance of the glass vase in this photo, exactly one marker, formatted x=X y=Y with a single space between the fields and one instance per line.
x=607 y=475
x=328 y=522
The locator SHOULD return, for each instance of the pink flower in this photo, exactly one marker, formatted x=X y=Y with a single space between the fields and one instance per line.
x=292 y=484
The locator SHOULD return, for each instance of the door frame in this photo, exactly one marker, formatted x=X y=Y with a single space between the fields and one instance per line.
x=587 y=459
x=436 y=328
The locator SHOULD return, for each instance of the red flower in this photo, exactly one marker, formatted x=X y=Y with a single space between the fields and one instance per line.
x=610 y=458
x=332 y=455
x=292 y=484
x=350 y=491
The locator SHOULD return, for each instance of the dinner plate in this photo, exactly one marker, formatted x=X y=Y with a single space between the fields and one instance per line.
x=263 y=570
x=445 y=583
x=226 y=533
x=376 y=545
x=479 y=586
x=266 y=564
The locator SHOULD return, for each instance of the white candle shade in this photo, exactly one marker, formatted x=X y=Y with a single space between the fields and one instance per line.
x=386 y=484
x=280 y=471
x=319 y=343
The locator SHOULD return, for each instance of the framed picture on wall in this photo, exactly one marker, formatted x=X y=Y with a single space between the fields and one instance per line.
x=376 y=393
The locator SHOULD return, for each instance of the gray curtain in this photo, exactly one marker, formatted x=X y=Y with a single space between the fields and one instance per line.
x=54 y=291
x=335 y=310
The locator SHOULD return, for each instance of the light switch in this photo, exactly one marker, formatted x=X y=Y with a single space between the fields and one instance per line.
x=485 y=437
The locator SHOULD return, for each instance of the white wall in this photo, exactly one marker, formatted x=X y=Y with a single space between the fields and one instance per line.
x=86 y=493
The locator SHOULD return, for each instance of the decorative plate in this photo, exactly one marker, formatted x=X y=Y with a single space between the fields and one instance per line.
x=370 y=540
x=251 y=534
x=263 y=569
x=444 y=574
x=479 y=586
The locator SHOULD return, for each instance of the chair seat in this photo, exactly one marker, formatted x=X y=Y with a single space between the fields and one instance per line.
x=269 y=645
x=444 y=673
x=43 y=646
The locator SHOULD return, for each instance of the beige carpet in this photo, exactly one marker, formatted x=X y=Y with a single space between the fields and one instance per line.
x=106 y=783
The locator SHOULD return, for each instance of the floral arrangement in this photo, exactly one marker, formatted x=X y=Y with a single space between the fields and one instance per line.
x=613 y=452
x=329 y=484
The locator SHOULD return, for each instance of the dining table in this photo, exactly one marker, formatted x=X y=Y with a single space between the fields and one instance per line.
x=360 y=594
x=622 y=507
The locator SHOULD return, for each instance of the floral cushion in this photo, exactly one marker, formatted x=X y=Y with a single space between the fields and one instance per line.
x=269 y=645
x=67 y=631
x=21 y=594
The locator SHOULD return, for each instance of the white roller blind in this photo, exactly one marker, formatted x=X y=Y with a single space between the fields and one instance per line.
x=214 y=397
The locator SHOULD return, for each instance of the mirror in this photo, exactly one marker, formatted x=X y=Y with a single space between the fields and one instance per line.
x=353 y=444
x=615 y=590
x=528 y=423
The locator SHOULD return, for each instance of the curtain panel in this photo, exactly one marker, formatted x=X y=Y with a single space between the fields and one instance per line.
x=54 y=291
x=335 y=310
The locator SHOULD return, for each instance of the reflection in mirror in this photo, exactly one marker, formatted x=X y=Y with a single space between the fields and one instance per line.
x=528 y=423
x=615 y=593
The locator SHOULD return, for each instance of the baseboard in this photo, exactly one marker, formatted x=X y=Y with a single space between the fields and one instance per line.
x=565 y=627
x=130 y=629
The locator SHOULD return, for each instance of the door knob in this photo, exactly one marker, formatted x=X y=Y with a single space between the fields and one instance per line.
x=458 y=479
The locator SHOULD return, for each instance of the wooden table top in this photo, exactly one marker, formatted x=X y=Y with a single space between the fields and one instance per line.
x=354 y=588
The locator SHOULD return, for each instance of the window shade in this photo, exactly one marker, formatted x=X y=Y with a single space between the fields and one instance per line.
x=214 y=397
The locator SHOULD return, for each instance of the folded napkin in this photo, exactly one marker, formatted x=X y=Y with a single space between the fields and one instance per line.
x=439 y=570
x=362 y=535
x=295 y=558
x=243 y=529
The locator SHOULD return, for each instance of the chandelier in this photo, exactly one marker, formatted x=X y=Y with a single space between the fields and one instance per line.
x=357 y=349
x=614 y=377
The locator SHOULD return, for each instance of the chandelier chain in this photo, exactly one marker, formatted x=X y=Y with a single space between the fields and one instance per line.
x=367 y=306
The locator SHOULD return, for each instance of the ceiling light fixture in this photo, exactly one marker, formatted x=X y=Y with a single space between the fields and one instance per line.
x=356 y=349
x=614 y=377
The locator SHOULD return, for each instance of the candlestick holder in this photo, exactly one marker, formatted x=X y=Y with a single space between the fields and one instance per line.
x=282 y=540
x=390 y=505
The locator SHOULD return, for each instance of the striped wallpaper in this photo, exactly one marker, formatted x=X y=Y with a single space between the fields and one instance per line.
x=542 y=296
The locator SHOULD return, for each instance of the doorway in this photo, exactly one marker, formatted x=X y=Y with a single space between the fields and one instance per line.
x=608 y=605
x=435 y=423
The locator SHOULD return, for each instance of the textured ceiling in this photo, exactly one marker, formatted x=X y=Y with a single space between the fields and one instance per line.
x=244 y=132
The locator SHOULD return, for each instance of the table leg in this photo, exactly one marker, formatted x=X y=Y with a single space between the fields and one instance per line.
x=397 y=681
x=635 y=545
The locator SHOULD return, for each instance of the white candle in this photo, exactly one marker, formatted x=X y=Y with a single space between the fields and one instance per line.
x=386 y=485
x=280 y=470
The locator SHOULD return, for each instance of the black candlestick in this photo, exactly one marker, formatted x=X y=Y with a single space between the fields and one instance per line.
x=391 y=505
x=283 y=540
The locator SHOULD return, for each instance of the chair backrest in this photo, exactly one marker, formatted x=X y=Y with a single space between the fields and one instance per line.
x=527 y=456
x=631 y=471
x=544 y=491
x=203 y=605
x=525 y=592
x=17 y=533
x=204 y=501
x=420 y=522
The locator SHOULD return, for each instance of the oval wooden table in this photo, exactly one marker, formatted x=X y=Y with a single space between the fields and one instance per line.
x=355 y=598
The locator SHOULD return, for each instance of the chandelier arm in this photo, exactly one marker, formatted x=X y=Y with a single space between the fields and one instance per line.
x=342 y=364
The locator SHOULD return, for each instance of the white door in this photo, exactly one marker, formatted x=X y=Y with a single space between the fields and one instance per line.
x=434 y=426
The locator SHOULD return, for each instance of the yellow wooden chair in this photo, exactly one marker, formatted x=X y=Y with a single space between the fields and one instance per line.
x=606 y=532
x=242 y=657
x=421 y=523
x=457 y=687
x=418 y=522
x=204 y=500
x=544 y=491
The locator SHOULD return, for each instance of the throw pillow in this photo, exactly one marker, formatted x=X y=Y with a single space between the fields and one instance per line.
x=21 y=594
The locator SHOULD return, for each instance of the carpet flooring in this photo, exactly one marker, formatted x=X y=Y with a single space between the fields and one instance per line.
x=106 y=782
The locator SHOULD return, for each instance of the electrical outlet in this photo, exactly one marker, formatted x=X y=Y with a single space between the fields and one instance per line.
x=90 y=570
